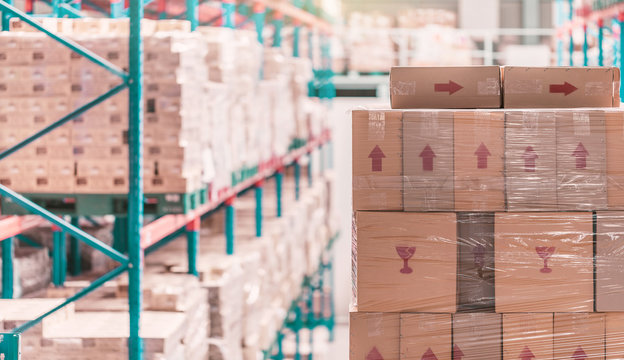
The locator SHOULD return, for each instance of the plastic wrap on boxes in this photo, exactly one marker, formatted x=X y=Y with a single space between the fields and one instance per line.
x=500 y=234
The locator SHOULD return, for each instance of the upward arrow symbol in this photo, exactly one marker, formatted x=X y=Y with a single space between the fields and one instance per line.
x=427 y=156
x=526 y=354
x=376 y=155
x=581 y=156
x=429 y=355
x=457 y=353
x=579 y=354
x=529 y=159
x=374 y=354
x=482 y=154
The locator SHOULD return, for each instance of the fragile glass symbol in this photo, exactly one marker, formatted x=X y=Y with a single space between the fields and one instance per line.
x=405 y=253
x=545 y=253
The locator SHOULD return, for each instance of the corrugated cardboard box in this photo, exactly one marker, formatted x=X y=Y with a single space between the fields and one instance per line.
x=609 y=261
x=374 y=336
x=530 y=160
x=475 y=272
x=581 y=160
x=614 y=123
x=579 y=336
x=544 y=262
x=377 y=160
x=528 y=336
x=560 y=87
x=479 y=153
x=614 y=336
x=477 y=336
x=426 y=336
x=428 y=161
x=466 y=87
x=405 y=261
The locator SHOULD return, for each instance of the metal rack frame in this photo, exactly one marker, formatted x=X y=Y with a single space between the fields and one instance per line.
x=141 y=240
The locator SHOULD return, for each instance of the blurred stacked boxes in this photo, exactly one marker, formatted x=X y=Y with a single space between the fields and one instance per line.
x=207 y=116
x=489 y=233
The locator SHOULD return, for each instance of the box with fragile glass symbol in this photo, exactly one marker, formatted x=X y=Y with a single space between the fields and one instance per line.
x=405 y=262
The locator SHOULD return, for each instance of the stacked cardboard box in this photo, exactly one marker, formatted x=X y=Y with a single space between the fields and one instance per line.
x=485 y=233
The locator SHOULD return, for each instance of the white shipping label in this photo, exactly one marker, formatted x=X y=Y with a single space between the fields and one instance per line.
x=489 y=86
x=524 y=86
x=376 y=125
x=403 y=88
x=374 y=324
x=430 y=125
x=581 y=124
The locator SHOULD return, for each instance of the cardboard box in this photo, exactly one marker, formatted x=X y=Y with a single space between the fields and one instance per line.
x=560 y=87
x=377 y=160
x=479 y=153
x=609 y=261
x=466 y=87
x=373 y=336
x=528 y=336
x=614 y=336
x=475 y=272
x=530 y=160
x=428 y=161
x=426 y=336
x=579 y=336
x=581 y=160
x=405 y=262
x=477 y=336
x=614 y=123
x=544 y=262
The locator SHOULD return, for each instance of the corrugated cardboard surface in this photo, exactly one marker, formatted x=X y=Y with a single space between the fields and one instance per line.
x=525 y=334
x=579 y=336
x=377 y=174
x=609 y=261
x=464 y=87
x=374 y=336
x=530 y=160
x=428 y=160
x=581 y=137
x=523 y=284
x=615 y=161
x=614 y=329
x=475 y=272
x=477 y=336
x=430 y=286
x=541 y=87
x=426 y=336
x=479 y=153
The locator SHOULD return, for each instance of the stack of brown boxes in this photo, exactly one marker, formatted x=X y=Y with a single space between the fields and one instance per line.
x=484 y=233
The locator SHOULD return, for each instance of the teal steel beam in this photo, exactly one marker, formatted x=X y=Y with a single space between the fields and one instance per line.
x=79 y=111
x=229 y=10
x=135 y=195
x=96 y=59
x=600 y=24
x=55 y=220
x=6 y=17
x=59 y=257
x=278 y=23
x=297 y=179
x=229 y=226
x=310 y=168
x=296 y=36
x=120 y=234
x=258 y=192
x=585 y=46
x=192 y=238
x=192 y=13
x=571 y=16
x=94 y=285
x=75 y=249
x=259 y=14
x=69 y=10
x=25 y=239
x=621 y=21
x=8 y=253
x=279 y=178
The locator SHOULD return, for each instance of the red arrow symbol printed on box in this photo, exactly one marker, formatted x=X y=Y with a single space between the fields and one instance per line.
x=429 y=355
x=566 y=88
x=374 y=354
x=482 y=154
x=526 y=354
x=529 y=159
x=452 y=87
x=376 y=155
x=581 y=156
x=457 y=353
x=579 y=354
x=427 y=156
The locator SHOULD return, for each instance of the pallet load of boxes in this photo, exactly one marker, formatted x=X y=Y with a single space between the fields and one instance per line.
x=208 y=122
x=488 y=216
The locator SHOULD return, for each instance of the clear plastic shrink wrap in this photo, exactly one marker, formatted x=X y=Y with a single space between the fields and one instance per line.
x=488 y=234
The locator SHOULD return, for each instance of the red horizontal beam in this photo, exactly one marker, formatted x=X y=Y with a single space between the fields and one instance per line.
x=11 y=226
x=160 y=228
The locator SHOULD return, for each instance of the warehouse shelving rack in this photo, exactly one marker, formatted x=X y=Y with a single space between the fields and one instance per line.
x=570 y=19
x=137 y=239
